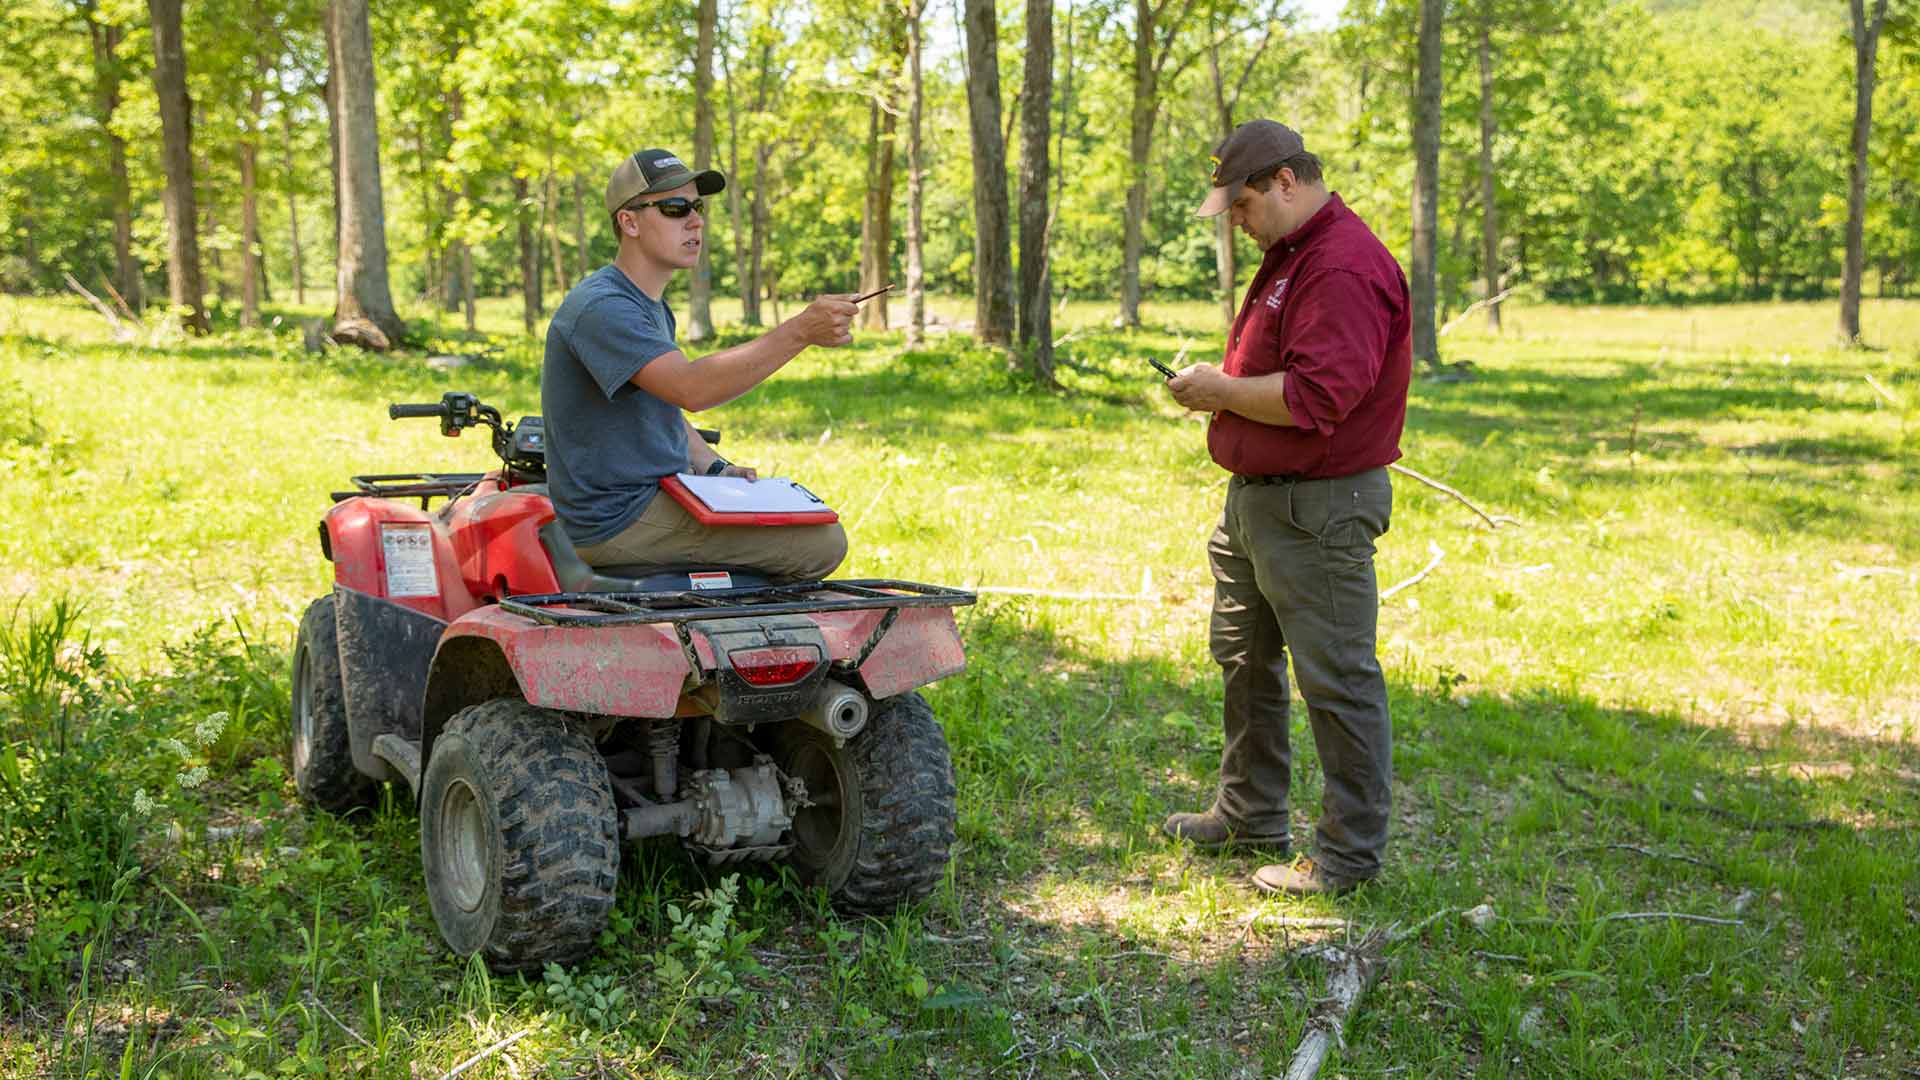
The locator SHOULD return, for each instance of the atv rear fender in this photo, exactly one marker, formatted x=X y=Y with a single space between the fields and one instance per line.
x=391 y=551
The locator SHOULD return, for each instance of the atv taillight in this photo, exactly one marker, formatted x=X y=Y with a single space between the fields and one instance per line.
x=776 y=666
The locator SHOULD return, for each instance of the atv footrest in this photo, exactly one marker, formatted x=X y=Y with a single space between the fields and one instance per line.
x=619 y=609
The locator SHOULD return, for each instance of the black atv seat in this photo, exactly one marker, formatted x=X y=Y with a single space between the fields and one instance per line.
x=575 y=575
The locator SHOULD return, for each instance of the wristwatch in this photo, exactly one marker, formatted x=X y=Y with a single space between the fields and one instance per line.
x=719 y=466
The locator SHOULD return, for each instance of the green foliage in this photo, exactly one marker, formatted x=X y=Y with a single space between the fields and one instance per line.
x=705 y=955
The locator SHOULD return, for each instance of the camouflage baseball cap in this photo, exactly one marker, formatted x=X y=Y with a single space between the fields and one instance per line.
x=1254 y=148
x=647 y=171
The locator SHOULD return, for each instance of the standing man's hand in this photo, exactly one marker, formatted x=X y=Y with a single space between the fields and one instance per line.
x=1201 y=387
x=827 y=321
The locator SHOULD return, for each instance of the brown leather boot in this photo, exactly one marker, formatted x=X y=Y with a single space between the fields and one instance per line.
x=1214 y=832
x=1304 y=877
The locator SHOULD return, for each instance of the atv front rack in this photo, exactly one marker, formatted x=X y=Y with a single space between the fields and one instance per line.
x=422 y=486
x=688 y=605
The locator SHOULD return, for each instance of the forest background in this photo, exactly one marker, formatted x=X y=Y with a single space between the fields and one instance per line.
x=1583 y=151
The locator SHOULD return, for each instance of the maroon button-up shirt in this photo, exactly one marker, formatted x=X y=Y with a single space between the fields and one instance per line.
x=1329 y=307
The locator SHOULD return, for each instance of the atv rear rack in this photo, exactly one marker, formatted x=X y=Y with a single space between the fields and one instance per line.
x=688 y=605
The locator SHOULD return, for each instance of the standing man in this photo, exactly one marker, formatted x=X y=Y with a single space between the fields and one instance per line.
x=614 y=384
x=1307 y=412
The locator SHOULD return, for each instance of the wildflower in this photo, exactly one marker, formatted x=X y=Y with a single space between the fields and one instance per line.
x=194 y=777
x=179 y=748
x=142 y=802
x=209 y=729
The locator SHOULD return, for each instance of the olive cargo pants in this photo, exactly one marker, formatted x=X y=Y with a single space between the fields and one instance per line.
x=665 y=534
x=1293 y=571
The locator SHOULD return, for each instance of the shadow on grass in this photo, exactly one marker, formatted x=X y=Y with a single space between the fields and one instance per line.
x=1071 y=933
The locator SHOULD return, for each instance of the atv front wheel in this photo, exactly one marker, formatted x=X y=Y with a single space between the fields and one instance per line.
x=881 y=826
x=518 y=836
x=321 y=751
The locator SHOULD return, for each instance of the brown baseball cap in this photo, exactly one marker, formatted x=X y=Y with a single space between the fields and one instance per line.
x=646 y=171
x=1255 y=147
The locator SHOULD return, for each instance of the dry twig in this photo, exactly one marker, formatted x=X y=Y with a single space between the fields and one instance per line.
x=120 y=330
x=328 y=1013
x=1493 y=521
x=1470 y=309
x=487 y=1053
x=1678 y=916
x=1638 y=850
x=1417 y=578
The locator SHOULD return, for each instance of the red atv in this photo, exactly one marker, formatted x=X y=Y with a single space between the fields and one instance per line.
x=544 y=711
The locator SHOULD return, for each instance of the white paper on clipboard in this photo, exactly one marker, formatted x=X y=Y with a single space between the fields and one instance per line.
x=738 y=495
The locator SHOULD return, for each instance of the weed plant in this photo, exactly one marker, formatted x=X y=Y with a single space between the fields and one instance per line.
x=1689 y=683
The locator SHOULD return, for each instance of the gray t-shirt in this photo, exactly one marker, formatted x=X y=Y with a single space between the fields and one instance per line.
x=608 y=441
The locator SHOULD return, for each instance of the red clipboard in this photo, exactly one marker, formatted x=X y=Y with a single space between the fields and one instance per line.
x=760 y=502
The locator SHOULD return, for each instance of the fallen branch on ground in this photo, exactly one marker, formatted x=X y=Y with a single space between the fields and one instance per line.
x=487 y=1053
x=1470 y=309
x=1355 y=968
x=121 y=302
x=1809 y=824
x=121 y=332
x=1889 y=395
x=1417 y=578
x=1677 y=916
x=318 y=1004
x=1493 y=521
x=1638 y=850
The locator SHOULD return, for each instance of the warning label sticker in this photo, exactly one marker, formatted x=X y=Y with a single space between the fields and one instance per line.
x=711 y=579
x=409 y=555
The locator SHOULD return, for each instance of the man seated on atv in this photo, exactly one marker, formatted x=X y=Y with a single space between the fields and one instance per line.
x=614 y=386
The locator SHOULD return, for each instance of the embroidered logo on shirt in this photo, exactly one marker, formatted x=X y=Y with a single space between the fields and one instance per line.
x=1279 y=290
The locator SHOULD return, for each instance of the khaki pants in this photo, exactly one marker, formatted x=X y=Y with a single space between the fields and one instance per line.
x=666 y=535
x=1293 y=571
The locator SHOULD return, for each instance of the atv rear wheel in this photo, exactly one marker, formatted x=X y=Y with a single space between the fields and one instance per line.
x=518 y=836
x=881 y=826
x=321 y=750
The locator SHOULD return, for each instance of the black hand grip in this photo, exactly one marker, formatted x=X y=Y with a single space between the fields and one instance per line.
x=406 y=412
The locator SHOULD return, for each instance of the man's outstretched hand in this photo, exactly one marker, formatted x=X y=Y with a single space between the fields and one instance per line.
x=827 y=321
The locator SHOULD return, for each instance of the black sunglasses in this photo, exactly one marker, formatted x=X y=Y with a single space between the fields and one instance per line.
x=676 y=207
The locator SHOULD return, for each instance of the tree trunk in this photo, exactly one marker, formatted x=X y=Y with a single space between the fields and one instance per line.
x=184 y=290
x=580 y=249
x=1222 y=225
x=1426 y=185
x=106 y=73
x=251 y=270
x=992 y=246
x=294 y=260
x=1139 y=147
x=1036 y=294
x=560 y=281
x=916 y=180
x=876 y=228
x=452 y=259
x=363 y=312
x=530 y=302
x=700 y=288
x=1489 y=216
x=1866 y=45
x=749 y=295
x=466 y=284
x=757 y=230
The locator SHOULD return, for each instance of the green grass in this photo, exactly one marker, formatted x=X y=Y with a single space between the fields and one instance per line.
x=1718 y=576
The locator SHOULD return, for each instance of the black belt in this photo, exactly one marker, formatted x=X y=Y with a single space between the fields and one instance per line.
x=1274 y=478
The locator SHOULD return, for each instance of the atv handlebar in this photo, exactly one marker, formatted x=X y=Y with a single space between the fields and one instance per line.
x=397 y=411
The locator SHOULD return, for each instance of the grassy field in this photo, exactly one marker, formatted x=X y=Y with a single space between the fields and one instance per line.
x=1688 y=681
